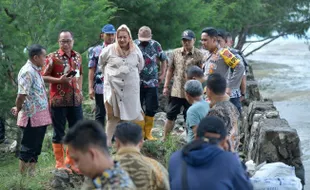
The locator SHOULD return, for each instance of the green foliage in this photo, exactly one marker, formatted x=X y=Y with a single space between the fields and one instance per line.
x=167 y=18
x=161 y=151
x=26 y=22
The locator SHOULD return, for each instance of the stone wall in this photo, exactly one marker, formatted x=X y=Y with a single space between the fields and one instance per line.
x=266 y=136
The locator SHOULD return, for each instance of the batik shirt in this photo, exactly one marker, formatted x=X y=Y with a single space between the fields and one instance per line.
x=58 y=64
x=93 y=57
x=151 y=54
x=35 y=107
x=114 y=179
x=180 y=62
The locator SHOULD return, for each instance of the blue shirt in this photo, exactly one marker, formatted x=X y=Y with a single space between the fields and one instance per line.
x=93 y=57
x=194 y=115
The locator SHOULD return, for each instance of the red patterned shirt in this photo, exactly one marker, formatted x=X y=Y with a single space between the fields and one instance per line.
x=58 y=64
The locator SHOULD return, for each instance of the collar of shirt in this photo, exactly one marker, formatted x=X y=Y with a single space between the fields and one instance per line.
x=62 y=53
x=125 y=150
x=189 y=53
x=34 y=66
x=106 y=174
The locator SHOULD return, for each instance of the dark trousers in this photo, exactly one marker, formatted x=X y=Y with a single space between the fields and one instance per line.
x=31 y=143
x=59 y=117
x=2 y=129
x=100 y=109
x=149 y=98
x=174 y=107
x=237 y=103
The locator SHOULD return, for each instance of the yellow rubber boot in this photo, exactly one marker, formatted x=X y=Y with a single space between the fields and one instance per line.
x=149 y=122
x=142 y=125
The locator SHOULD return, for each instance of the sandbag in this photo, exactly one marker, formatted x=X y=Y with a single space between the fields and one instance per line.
x=275 y=176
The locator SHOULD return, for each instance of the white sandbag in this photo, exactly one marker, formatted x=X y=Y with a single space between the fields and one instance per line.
x=276 y=169
x=273 y=183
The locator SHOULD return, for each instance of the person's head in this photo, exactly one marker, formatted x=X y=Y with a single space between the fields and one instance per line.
x=195 y=72
x=65 y=40
x=216 y=85
x=123 y=36
x=108 y=33
x=188 y=39
x=145 y=34
x=229 y=40
x=128 y=134
x=87 y=144
x=221 y=37
x=193 y=90
x=37 y=54
x=211 y=129
x=209 y=39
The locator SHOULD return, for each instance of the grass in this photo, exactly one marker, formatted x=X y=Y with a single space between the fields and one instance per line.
x=11 y=178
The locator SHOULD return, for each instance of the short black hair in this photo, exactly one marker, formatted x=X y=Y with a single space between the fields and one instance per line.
x=222 y=33
x=212 y=32
x=128 y=133
x=194 y=71
x=216 y=83
x=86 y=133
x=66 y=31
x=34 y=50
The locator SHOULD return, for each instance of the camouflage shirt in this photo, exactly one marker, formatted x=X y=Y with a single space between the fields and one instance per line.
x=146 y=173
x=113 y=179
x=229 y=114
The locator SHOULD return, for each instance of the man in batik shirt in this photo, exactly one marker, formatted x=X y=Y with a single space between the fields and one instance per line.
x=152 y=53
x=87 y=144
x=63 y=70
x=31 y=109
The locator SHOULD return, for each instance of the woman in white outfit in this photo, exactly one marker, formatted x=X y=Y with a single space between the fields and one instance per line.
x=121 y=64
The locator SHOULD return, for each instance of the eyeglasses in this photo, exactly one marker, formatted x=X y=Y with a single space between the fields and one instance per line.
x=65 y=41
x=203 y=40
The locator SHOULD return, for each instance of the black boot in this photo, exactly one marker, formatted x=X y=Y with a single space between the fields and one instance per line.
x=2 y=130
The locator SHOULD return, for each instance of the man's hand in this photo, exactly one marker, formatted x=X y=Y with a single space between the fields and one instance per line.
x=166 y=91
x=91 y=93
x=64 y=79
x=242 y=98
x=228 y=91
x=15 y=111
x=161 y=78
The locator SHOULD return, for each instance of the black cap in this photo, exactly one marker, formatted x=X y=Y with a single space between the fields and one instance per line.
x=188 y=35
x=221 y=33
x=212 y=124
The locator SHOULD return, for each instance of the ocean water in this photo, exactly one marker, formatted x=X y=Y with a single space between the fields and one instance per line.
x=282 y=69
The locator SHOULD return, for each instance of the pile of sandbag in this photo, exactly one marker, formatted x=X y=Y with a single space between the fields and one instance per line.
x=274 y=176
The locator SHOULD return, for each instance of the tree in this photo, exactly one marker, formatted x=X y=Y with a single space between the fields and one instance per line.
x=167 y=18
x=266 y=19
x=25 y=22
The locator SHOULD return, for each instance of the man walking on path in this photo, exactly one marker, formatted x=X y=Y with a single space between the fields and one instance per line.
x=182 y=59
x=63 y=70
x=95 y=76
x=152 y=52
x=31 y=109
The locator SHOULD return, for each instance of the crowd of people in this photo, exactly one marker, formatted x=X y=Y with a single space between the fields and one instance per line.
x=208 y=84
